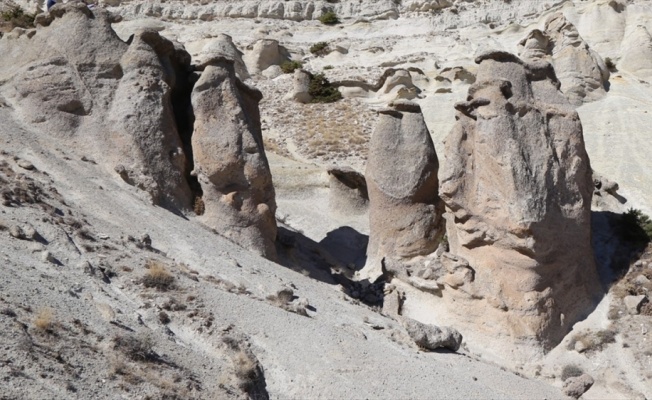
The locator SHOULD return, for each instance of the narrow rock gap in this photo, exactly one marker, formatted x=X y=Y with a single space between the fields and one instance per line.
x=184 y=117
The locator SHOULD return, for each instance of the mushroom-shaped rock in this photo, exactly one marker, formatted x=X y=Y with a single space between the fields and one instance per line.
x=517 y=185
x=405 y=212
x=230 y=161
x=223 y=46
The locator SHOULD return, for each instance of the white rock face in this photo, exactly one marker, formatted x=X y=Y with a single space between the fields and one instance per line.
x=581 y=71
x=517 y=186
x=637 y=53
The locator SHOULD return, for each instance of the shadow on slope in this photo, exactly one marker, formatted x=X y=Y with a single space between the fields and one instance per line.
x=334 y=260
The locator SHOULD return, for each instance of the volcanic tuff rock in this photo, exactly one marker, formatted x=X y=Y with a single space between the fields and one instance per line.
x=264 y=54
x=637 y=52
x=517 y=186
x=405 y=214
x=581 y=71
x=300 y=87
x=230 y=160
x=93 y=91
x=348 y=191
x=223 y=46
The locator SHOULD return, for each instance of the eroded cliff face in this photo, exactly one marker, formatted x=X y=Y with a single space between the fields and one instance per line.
x=517 y=186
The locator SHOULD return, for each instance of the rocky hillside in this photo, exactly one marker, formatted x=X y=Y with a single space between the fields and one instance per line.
x=330 y=199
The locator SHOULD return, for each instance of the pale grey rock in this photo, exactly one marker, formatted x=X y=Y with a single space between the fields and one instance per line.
x=16 y=232
x=431 y=337
x=405 y=211
x=633 y=303
x=517 y=186
x=95 y=92
x=637 y=52
x=230 y=160
x=576 y=386
x=348 y=191
x=24 y=164
x=581 y=71
x=264 y=54
x=300 y=87
x=223 y=46
x=641 y=280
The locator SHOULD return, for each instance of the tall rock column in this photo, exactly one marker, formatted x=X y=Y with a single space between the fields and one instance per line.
x=517 y=187
x=230 y=160
x=405 y=212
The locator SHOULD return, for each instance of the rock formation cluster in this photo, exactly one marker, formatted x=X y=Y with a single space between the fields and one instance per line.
x=128 y=106
x=582 y=72
x=517 y=186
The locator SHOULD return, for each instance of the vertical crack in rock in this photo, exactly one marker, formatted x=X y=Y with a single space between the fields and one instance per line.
x=517 y=186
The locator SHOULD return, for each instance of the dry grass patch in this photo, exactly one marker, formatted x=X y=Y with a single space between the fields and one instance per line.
x=44 y=321
x=157 y=276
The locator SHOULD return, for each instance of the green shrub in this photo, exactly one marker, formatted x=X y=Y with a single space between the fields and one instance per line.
x=288 y=67
x=319 y=48
x=636 y=226
x=17 y=17
x=610 y=64
x=328 y=67
x=329 y=18
x=322 y=91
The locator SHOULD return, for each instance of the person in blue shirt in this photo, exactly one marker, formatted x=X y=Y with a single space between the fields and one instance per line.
x=51 y=3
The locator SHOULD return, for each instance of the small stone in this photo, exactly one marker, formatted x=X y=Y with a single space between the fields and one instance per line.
x=633 y=303
x=30 y=232
x=577 y=386
x=580 y=347
x=641 y=280
x=17 y=232
x=431 y=337
x=25 y=165
x=46 y=256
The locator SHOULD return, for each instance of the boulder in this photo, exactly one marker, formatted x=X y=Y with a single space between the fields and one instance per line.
x=405 y=211
x=348 y=191
x=75 y=79
x=431 y=337
x=634 y=303
x=230 y=161
x=582 y=72
x=576 y=386
x=263 y=54
x=637 y=53
x=517 y=185
x=300 y=87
